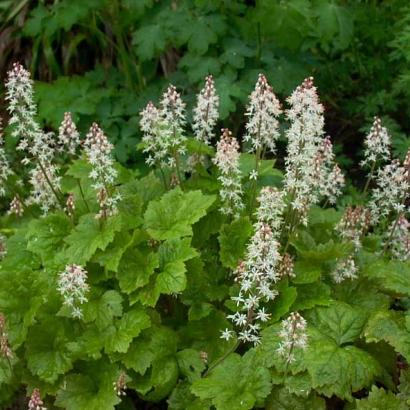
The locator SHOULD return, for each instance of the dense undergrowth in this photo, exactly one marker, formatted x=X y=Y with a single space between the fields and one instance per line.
x=215 y=279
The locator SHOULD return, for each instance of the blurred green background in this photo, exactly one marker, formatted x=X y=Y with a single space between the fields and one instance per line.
x=104 y=59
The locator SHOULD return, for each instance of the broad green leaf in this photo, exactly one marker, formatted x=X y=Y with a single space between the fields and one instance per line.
x=172 y=255
x=306 y=272
x=190 y=364
x=232 y=241
x=153 y=345
x=92 y=389
x=173 y=215
x=393 y=276
x=47 y=350
x=182 y=399
x=111 y=256
x=171 y=278
x=389 y=326
x=285 y=299
x=159 y=381
x=88 y=236
x=149 y=40
x=45 y=235
x=339 y=321
x=126 y=329
x=312 y=294
x=339 y=370
x=235 y=384
x=103 y=308
x=136 y=267
x=380 y=399
x=281 y=399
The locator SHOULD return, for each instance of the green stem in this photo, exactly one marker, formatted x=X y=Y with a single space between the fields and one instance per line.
x=83 y=196
x=59 y=200
x=221 y=359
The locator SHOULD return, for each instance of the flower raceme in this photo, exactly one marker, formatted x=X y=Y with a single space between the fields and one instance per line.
x=293 y=335
x=68 y=136
x=206 y=112
x=38 y=146
x=35 y=402
x=73 y=287
x=227 y=161
x=98 y=150
x=309 y=157
x=377 y=144
x=262 y=128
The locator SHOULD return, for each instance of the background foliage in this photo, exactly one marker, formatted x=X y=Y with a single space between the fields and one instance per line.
x=106 y=58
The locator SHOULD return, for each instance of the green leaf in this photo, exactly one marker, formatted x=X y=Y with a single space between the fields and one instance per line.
x=171 y=278
x=190 y=364
x=155 y=344
x=282 y=303
x=312 y=294
x=380 y=399
x=235 y=384
x=339 y=321
x=126 y=329
x=232 y=241
x=111 y=256
x=182 y=399
x=282 y=399
x=45 y=235
x=102 y=309
x=393 y=276
x=88 y=236
x=390 y=327
x=338 y=370
x=92 y=389
x=135 y=268
x=172 y=255
x=335 y=365
x=149 y=41
x=47 y=352
x=171 y=217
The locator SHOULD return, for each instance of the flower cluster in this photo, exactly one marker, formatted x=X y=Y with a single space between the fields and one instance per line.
x=5 y=350
x=227 y=161
x=293 y=335
x=35 y=402
x=73 y=287
x=120 y=386
x=270 y=209
x=3 y=248
x=262 y=128
x=45 y=183
x=377 y=144
x=39 y=146
x=345 y=269
x=70 y=205
x=286 y=267
x=354 y=224
x=5 y=170
x=16 y=207
x=68 y=136
x=149 y=124
x=304 y=139
x=390 y=194
x=259 y=271
x=327 y=176
x=206 y=112
x=164 y=137
x=98 y=150
x=398 y=238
